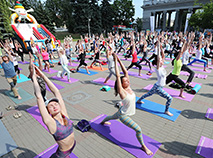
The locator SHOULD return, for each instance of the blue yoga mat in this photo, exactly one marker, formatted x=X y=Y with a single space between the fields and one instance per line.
x=24 y=95
x=157 y=109
x=7 y=144
x=23 y=78
x=83 y=71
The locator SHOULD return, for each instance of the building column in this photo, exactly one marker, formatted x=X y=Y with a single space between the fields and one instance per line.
x=155 y=14
x=159 y=20
x=169 y=20
x=180 y=20
x=176 y=20
x=164 y=20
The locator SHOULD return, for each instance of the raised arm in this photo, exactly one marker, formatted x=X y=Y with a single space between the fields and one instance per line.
x=54 y=90
x=120 y=89
x=182 y=51
x=47 y=119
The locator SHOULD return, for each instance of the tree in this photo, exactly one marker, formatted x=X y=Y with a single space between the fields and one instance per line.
x=5 y=28
x=203 y=18
x=107 y=14
x=81 y=15
x=139 y=23
x=123 y=11
x=95 y=14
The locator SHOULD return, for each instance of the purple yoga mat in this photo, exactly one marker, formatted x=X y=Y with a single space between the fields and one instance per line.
x=184 y=73
x=201 y=70
x=57 y=86
x=192 y=83
x=20 y=68
x=34 y=112
x=174 y=93
x=135 y=74
x=101 y=81
x=79 y=62
x=128 y=59
x=124 y=137
x=143 y=68
x=24 y=62
x=51 y=71
x=65 y=79
x=50 y=151
x=198 y=65
x=209 y=114
x=205 y=147
x=73 y=64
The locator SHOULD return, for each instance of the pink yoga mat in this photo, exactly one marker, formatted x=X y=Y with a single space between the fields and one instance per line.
x=65 y=79
x=74 y=64
x=51 y=71
x=198 y=65
x=205 y=147
x=184 y=73
x=209 y=114
x=135 y=74
x=124 y=137
x=174 y=93
x=101 y=81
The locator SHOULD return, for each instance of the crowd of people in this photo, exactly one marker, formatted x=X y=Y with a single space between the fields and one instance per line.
x=179 y=47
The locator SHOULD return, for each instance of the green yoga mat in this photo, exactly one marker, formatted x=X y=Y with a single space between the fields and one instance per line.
x=24 y=95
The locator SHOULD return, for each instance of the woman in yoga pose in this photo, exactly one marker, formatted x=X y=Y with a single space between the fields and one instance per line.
x=158 y=86
x=55 y=117
x=122 y=87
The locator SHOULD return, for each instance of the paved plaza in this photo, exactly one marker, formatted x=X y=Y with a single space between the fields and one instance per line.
x=84 y=100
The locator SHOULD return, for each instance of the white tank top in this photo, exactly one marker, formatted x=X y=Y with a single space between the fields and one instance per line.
x=129 y=106
x=161 y=74
x=199 y=54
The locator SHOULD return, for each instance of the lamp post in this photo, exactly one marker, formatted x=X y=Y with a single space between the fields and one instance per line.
x=89 y=25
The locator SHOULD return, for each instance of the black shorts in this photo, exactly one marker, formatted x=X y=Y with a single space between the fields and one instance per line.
x=46 y=61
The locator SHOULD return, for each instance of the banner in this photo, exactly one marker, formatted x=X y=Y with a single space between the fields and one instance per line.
x=152 y=23
x=187 y=21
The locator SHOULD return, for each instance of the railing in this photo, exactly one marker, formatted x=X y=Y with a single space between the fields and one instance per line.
x=153 y=2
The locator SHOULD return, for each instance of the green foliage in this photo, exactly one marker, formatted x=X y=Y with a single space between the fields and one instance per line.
x=139 y=23
x=123 y=11
x=5 y=28
x=107 y=14
x=203 y=19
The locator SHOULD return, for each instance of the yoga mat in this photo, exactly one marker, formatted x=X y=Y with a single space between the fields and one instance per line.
x=24 y=62
x=24 y=95
x=20 y=68
x=124 y=137
x=184 y=73
x=201 y=66
x=192 y=83
x=84 y=71
x=54 y=61
x=201 y=70
x=143 y=68
x=74 y=64
x=101 y=81
x=65 y=79
x=57 y=86
x=135 y=74
x=23 y=78
x=51 y=71
x=34 y=112
x=157 y=109
x=209 y=114
x=174 y=93
x=98 y=68
x=7 y=143
x=51 y=150
x=205 y=147
x=0 y=67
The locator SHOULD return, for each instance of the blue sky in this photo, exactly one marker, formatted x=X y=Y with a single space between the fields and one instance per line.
x=138 y=9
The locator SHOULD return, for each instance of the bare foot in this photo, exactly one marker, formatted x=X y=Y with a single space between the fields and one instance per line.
x=88 y=72
x=146 y=150
x=139 y=75
x=168 y=113
x=140 y=102
x=105 y=82
x=69 y=81
x=19 y=97
x=182 y=96
x=204 y=70
x=106 y=123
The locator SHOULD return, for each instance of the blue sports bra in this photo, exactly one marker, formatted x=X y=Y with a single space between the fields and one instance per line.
x=63 y=131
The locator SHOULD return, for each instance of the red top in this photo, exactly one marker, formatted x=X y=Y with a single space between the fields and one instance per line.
x=134 y=57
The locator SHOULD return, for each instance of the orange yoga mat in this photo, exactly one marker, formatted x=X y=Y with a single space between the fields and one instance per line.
x=98 y=68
